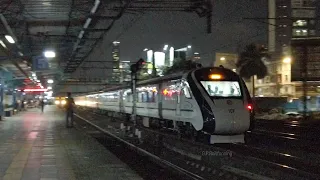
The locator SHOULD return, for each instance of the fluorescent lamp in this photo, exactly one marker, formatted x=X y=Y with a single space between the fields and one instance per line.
x=86 y=25
x=49 y=87
x=2 y=44
x=34 y=90
x=50 y=81
x=49 y=54
x=165 y=47
x=9 y=38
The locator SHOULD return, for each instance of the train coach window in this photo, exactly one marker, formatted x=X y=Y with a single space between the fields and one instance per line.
x=222 y=88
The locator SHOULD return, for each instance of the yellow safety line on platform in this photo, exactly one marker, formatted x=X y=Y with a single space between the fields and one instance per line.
x=14 y=172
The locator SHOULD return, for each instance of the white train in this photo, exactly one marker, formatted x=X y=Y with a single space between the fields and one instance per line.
x=213 y=101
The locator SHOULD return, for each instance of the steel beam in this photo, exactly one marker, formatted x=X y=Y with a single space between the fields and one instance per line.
x=72 y=22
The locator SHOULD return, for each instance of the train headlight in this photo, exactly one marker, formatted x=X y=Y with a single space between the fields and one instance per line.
x=63 y=102
x=56 y=102
x=215 y=76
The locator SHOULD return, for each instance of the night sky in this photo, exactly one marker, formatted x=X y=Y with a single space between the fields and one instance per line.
x=154 y=29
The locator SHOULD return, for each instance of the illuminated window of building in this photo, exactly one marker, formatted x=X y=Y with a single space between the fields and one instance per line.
x=300 y=23
x=304 y=32
x=300 y=32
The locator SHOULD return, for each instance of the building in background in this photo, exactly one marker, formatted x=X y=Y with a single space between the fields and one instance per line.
x=227 y=60
x=196 y=56
x=278 y=81
x=125 y=72
x=289 y=19
x=116 y=62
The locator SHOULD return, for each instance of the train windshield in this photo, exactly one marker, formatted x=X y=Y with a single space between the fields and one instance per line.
x=222 y=88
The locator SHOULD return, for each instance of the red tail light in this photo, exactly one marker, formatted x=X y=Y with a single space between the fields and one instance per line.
x=250 y=107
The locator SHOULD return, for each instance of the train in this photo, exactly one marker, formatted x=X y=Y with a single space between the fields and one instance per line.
x=213 y=101
x=60 y=101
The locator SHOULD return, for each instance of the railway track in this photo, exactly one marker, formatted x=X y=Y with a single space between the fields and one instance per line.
x=275 y=160
x=121 y=150
x=305 y=129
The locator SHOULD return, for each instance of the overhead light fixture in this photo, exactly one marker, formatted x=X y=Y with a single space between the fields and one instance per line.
x=50 y=81
x=49 y=54
x=38 y=81
x=116 y=43
x=87 y=23
x=2 y=44
x=95 y=7
x=34 y=90
x=46 y=3
x=33 y=74
x=145 y=49
x=189 y=46
x=10 y=39
x=49 y=87
x=165 y=47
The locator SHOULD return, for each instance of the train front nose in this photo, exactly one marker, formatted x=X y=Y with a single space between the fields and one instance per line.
x=231 y=116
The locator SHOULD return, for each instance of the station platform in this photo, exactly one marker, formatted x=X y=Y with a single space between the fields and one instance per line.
x=39 y=146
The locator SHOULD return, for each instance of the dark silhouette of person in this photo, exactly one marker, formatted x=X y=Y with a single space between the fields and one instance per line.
x=232 y=90
x=216 y=89
x=42 y=105
x=210 y=90
x=22 y=105
x=69 y=107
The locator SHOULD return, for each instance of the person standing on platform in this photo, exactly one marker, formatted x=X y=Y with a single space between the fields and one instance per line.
x=69 y=107
x=22 y=105
x=42 y=105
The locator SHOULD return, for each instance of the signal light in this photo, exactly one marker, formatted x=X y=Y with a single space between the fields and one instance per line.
x=138 y=65
x=249 y=107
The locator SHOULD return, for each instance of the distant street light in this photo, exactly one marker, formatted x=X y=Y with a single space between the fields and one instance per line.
x=146 y=49
x=189 y=46
x=49 y=54
x=10 y=39
x=287 y=60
